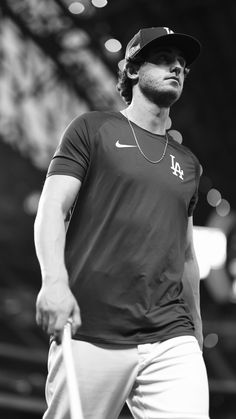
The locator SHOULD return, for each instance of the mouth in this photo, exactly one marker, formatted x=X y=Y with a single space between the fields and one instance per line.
x=173 y=78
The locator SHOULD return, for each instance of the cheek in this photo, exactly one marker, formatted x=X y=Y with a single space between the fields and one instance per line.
x=150 y=77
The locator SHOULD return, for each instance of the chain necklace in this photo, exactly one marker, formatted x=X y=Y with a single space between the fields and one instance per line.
x=141 y=151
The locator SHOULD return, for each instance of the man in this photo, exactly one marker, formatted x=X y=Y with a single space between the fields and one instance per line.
x=129 y=191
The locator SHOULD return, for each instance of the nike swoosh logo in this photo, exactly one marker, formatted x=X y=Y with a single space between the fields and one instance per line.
x=119 y=145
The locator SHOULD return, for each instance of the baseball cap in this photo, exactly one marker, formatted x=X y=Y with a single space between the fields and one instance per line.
x=189 y=46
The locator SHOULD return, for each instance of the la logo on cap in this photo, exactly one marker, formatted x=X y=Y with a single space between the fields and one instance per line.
x=169 y=31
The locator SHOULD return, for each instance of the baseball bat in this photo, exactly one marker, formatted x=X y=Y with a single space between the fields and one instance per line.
x=72 y=385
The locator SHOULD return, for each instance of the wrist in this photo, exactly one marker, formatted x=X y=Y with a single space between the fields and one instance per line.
x=53 y=277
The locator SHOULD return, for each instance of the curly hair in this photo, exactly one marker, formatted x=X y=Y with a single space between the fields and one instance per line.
x=125 y=84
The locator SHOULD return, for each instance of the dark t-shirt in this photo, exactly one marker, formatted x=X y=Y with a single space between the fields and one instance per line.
x=125 y=245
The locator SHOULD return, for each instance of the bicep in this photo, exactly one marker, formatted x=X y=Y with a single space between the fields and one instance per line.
x=60 y=190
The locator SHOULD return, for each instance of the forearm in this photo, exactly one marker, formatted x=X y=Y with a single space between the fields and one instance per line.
x=55 y=301
x=191 y=294
x=50 y=241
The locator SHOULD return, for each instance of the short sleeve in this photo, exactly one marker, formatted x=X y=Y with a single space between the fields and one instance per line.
x=194 y=199
x=72 y=155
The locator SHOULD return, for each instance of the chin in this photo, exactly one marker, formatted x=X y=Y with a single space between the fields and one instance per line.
x=162 y=98
x=165 y=99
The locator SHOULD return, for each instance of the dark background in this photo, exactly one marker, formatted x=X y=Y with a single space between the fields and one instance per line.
x=53 y=66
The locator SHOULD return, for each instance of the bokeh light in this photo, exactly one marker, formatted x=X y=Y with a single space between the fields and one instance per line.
x=168 y=123
x=113 y=45
x=76 y=8
x=223 y=209
x=99 y=3
x=211 y=340
x=30 y=203
x=176 y=136
x=213 y=197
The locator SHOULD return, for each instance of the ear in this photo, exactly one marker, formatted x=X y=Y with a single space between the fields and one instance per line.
x=132 y=72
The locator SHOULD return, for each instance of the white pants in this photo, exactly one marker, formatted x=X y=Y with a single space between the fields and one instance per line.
x=163 y=380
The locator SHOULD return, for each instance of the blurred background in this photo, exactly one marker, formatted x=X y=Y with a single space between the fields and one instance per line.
x=58 y=59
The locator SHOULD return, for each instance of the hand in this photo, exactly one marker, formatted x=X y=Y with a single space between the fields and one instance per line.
x=55 y=305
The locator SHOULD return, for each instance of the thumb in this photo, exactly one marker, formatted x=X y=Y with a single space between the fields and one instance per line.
x=76 y=319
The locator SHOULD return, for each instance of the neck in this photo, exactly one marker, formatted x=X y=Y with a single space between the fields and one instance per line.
x=148 y=116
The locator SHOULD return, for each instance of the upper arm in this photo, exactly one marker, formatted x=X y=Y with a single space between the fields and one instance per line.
x=72 y=155
x=59 y=190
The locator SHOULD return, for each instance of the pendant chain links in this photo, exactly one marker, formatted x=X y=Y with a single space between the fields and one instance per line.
x=141 y=151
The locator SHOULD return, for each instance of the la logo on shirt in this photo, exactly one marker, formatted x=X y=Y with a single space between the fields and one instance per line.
x=176 y=169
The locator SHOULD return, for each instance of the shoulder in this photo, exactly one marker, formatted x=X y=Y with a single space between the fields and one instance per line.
x=94 y=118
x=86 y=125
x=190 y=154
x=84 y=128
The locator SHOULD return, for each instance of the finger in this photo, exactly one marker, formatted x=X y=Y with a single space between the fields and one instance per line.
x=39 y=314
x=58 y=328
x=38 y=318
x=57 y=337
x=51 y=324
x=76 y=319
x=44 y=322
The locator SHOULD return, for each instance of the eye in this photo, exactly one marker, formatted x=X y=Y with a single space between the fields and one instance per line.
x=162 y=58
x=182 y=62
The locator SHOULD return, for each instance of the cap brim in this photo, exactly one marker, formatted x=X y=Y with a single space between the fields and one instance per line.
x=188 y=45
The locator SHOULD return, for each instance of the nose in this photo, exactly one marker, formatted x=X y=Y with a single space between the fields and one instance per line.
x=176 y=68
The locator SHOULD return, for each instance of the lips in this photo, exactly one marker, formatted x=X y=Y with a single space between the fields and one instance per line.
x=173 y=78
